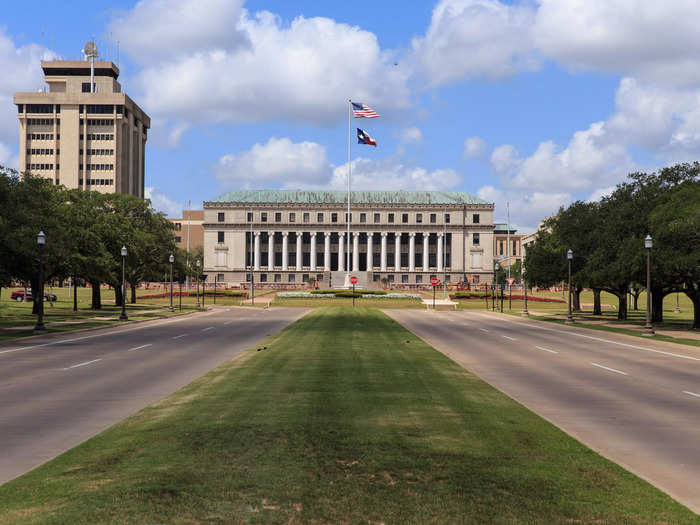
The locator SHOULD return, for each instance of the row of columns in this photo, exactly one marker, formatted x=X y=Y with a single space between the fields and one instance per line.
x=341 y=252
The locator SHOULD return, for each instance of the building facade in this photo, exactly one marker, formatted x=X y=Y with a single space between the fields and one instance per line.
x=507 y=245
x=289 y=237
x=83 y=134
x=189 y=230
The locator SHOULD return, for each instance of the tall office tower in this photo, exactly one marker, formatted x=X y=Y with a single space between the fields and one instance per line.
x=84 y=132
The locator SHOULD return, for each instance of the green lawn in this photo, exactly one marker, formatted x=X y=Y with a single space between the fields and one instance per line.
x=346 y=417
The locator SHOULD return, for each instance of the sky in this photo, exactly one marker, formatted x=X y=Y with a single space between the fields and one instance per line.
x=534 y=103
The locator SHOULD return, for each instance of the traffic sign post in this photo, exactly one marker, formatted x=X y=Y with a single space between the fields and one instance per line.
x=434 y=281
x=353 y=281
x=510 y=293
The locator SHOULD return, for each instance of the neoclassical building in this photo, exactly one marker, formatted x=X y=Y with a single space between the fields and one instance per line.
x=288 y=237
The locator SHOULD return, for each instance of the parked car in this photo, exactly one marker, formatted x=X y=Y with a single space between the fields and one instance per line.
x=21 y=295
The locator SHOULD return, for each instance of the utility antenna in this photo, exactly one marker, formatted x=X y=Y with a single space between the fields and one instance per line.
x=117 y=53
x=90 y=52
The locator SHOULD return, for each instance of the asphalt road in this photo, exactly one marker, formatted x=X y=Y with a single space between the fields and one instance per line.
x=635 y=401
x=56 y=392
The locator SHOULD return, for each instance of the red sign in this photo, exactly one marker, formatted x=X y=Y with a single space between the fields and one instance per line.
x=353 y=280
x=510 y=281
x=434 y=281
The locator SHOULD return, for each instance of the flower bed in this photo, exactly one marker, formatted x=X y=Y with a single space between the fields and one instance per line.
x=392 y=296
x=481 y=295
x=346 y=294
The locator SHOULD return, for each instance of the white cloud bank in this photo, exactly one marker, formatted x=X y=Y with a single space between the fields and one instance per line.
x=161 y=202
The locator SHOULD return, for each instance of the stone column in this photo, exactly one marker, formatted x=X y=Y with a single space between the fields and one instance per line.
x=257 y=252
x=341 y=251
x=397 y=251
x=327 y=252
x=285 y=251
x=426 y=250
x=312 y=264
x=370 y=252
x=271 y=251
x=412 y=252
x=299 y=239
x=382 y=255
x=439 y=252
x=355 y=251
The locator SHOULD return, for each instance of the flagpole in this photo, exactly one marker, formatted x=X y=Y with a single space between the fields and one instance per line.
x=347 y=219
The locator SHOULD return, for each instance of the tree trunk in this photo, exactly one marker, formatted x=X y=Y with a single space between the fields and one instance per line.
x=576 y=299
x=34 y=283
x=622 y=306
x=118 y=297
x=694 y=296
x=96 y=296
x=597 y=310
x=133 y=293
x=635 y=295
x=657 y=305
x=75 y=294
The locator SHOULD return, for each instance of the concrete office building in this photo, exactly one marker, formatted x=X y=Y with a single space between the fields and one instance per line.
x=189 y=229
x=83 y=134
x=404 y=236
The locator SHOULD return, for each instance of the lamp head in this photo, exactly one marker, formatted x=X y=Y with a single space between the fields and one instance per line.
x=171 y=259
x=569 y=254
x=41 y=238
x=123 y=251
x=496 y=266
x=197 y=263
x=647 y=242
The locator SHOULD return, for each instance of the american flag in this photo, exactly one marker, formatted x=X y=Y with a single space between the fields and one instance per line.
x=363 y=111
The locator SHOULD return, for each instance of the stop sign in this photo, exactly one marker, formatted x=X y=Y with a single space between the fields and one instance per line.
x=353 y=280
x=434 y=281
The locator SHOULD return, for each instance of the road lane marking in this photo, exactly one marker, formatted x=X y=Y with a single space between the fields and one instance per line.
x=207 y=328
x=546 y=349
x=139 y=347
x=610 y=369
x=228 y=322
x=691 y=393
x=483 y=329
x=599 y=339
x=83 y=364
x=508 y=337
x=179 y=336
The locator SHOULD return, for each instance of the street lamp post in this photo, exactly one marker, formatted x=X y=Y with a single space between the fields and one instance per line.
x=172 y=260
x=648 y=328
x=569 y=256
x=678 y=305
x=196 y=263
x=123 y=316
x=525 y=313
x=41 y=241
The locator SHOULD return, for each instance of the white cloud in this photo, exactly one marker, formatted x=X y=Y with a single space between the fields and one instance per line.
x=527 y=208
x=278 y=161
x=473 y=147
x=475 y=38
x=161 y=202
x=301 y=72
x=600 y=193
x=304 y=165
x=411 y=134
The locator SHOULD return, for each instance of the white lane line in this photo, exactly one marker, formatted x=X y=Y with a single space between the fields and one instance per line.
x=179 y=336
x=507 y=337
x=139 y=347
x=228 y=322
x=546 y=349
x=483 y=329
x=83 y=364
x=599 y=339
x=207 y=328
x=113 y=332
x=610 y=369
x=691 y=393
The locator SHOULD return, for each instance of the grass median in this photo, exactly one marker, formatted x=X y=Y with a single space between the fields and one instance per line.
x=345 y=417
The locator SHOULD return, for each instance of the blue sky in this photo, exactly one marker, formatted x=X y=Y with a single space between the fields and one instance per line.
x=536 y=103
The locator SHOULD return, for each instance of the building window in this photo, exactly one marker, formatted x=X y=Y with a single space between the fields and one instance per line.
x=515 y=248
x=178 y=239
x=500 y=247
x=404 y=278
x=306 y=217
x=346 y=218
x=263 y=277
x=291 y=277
x=447 y=218
x=419 y=218
x=390 y=217
x=376 y=218
x=250 y=216
x=363 y=217
x=475 y=239
x=221 y=258
x=20 y=108
x=334 y=217
x=263 y=216
x=220 y=216
x=305 y=278
x=319 y=217
x=220 y=277
x=375 y=277
x=475 y=218
x=404 y=218
x=39 y=108
x=86 y=87
x=419 y=279
x=278 y=217
x=278 y=277
x=219 y=236
x=476 y=260
x=292 y=216
x=391 y=278
x=433 y=218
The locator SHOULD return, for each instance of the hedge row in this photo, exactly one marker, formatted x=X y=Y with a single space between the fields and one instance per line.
x=343 y=292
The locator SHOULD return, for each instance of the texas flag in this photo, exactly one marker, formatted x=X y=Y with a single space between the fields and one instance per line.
x=364 y=138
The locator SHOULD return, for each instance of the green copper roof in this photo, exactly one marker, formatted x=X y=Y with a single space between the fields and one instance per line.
x=339 y=196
